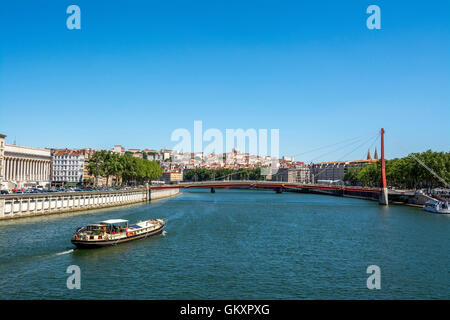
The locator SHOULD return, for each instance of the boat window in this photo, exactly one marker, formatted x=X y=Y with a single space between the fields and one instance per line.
x=93 y=228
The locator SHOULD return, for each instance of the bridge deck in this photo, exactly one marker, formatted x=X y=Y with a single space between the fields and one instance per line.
x=261 y=184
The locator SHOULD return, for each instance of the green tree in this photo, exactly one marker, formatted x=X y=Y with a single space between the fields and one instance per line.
x=126 y=168
x=406 y=172
x=113 y=166
x=351 y=175
x=97 y=166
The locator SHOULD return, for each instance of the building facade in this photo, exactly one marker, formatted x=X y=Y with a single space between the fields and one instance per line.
x=26 y=167
x=118 y=149
x=293 y=175
x=172 y=177
x=68 y=167
x=335 y=170
x=2 y=160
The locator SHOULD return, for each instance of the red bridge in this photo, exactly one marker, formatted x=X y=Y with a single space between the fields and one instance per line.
x=261 y=184
x=380 y=194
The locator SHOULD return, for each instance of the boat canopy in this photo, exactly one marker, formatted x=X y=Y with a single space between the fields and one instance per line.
x=113 y=221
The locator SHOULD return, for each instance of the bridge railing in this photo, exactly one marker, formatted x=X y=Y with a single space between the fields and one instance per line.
x=259 y=183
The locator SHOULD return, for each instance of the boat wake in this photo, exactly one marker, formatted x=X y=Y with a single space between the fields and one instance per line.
x=64 y=252
x=164 y=232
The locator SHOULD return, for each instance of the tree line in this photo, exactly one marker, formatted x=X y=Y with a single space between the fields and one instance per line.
x=126 y=168
x=404 y=172
x=203 y=174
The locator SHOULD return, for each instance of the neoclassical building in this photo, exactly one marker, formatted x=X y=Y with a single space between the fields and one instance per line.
x=2 y=160
x=26 y=167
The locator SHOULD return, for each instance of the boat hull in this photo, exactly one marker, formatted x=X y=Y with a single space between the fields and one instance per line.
x=86 y=244
x=437 y=211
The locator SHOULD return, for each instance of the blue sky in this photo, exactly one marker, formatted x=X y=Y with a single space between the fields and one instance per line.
x=137 y=70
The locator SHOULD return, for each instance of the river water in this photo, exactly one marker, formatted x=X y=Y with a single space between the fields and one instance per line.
x=236 y=244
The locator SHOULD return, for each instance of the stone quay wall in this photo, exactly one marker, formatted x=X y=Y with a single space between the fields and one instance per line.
x=163 y=193
x=25 y=205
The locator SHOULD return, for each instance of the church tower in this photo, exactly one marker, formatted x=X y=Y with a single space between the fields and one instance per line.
x=369 y=157
x=375 y=156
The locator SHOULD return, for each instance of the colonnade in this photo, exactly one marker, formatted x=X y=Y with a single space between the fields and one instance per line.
x=26 y=170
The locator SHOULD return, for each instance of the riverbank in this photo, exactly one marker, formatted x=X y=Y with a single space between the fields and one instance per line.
x=163 y=194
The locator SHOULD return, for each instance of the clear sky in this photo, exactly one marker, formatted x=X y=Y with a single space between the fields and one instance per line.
x=137 y=70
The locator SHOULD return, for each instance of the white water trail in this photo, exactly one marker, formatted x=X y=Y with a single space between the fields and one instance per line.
x=64 y=252
x=164 y=232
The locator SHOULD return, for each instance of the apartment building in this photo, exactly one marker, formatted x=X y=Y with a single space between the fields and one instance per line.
x=68 y=167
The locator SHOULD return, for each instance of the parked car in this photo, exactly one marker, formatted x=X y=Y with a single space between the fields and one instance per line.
x=4 y=192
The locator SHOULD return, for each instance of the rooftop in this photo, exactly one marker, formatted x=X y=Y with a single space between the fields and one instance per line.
x=113 y=221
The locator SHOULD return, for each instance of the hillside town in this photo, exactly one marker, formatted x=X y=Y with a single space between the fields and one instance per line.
x=23 y=167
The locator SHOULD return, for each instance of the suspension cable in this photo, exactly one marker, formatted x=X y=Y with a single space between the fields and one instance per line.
x=354 y=139
x=340 y=148
x=345 y=155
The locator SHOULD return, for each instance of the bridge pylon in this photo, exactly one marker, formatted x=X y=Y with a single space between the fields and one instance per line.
x=383 y=199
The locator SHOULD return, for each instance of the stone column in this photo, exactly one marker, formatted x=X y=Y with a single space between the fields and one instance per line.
x=22 y=170
x=24 y=166
x=30 y=170
x=38 y=170
x=11 y=169
x=34 y=170
x=19 y=172
x=6 y=169
x=46 y=171
x=5 y=166
x=27 y=170
x=18 y=169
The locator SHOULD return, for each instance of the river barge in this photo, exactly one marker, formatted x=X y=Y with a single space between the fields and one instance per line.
x=116 y=231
